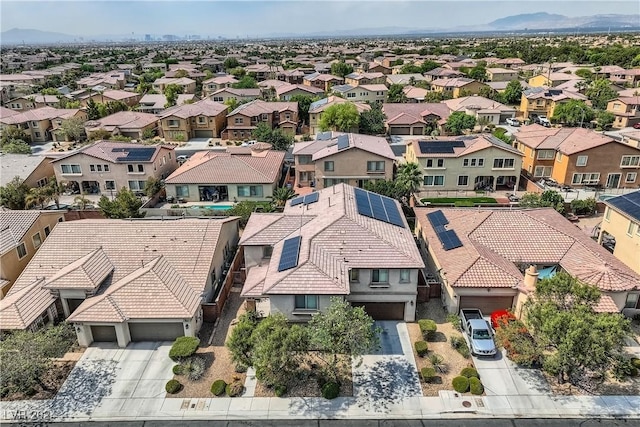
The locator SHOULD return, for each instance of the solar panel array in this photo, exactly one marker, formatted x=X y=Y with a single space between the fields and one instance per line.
x=627 y=203
x=142 y=154
x=343 y=142
x=290 y=253
x=378 y=207
x=448 y=238
x=440 y=147
x=308 y=199
x=324 y=136
x=296 y=201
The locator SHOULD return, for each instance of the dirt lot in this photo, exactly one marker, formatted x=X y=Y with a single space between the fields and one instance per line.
x=455 y=362
x=52 y=380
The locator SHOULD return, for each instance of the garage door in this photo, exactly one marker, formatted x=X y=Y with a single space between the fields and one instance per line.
x=155 y=331
x=104 y=333
x=486 y=304
x=418 y=130
x=400 y=130
x=203 y=134
x=382 y=310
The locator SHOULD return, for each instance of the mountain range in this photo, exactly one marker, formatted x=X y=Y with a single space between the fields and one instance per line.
x=515 y=23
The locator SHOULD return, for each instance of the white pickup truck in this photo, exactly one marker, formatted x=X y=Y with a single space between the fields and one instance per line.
x=478 y=331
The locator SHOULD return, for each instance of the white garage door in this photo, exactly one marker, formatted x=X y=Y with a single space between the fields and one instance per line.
x=486 y=304
x=155 y=331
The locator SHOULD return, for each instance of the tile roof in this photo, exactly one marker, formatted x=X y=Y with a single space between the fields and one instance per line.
x=258 y=106
x=104 y=150
x=506 y=239
x=87 y=272
x=398 y=114
x=22 y=165
x=210 y=167
x=205 y=107
x=187 y=245
x=38 y=114
x=123 y=120
x=238 y=92
x=334 y=239
x=566 y=140
x=13 y=227
x=19 y=309
x=476 y=102
x=452 y=82
x=472 y=144
x=627 y=204
x=319 y=149
x=157 y=101
x=553 y=94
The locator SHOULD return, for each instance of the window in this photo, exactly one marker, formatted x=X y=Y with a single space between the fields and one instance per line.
x=503 y=163
x=631 y=177
x=607 y=214
x=173 y=123
x=351 y=95
x=380 y=276
x=47 y=231
x=463 y=180
x=435 y=163
x=375 y=166
x=585 y=178
x=249 y=190
x=328 y=166
x=110 y=185
x=559 y=157
x=218 y=99
x=306 y=302
x=633 y=301
x=71 y=169
x=434 y=180
x=22 y=251
x=182 y=191
x=330 y=182
x=582 y=160
x=304 y=160
x=42 y=182
x=37 y=240
x=542 y=171
x=405 y=275
x=37 y=134
x=137 y=185
x=238 y=120
x=546 y=154
x=473 y=162
x=202 y=120
x=267 y=251
x=630 y=161
x=135 y=168
x=354 y=275
x=34 y=124
x=630 y=228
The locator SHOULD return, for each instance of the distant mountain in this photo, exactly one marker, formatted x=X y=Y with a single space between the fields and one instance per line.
x=527 y=20
x=29 y=36
x=543 y=20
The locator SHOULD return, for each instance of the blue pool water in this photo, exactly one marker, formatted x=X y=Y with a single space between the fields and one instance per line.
x=217 y=207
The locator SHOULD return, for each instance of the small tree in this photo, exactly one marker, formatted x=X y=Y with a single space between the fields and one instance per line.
x=458 y=121
x=276 y=137
x=73 y=128
x=12 y=134
x=16 y=147
x=281 y=195
x=372 y=121
x=240 y=343
x=396 y=94
x=246 y=82
x=125 y=205
x=342 y=330
x=171 y=92
x=93 y=112
x=304 y=102
x=409 y=178
x=573 y=113
x=13 y=195
x=604 y=119
x=340 y=117
x=600 y=93
x=386 y=187
x=548 y=198
x=513 y=92
x=341 y=69
x=153 y=186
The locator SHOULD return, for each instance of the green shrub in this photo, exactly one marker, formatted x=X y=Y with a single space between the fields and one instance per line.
x=634 y=372
x=428 y=374
x=234 y=389
x=183 y=347
x=635 y=362
x=438 y=363
x=280 y=390
x=469 y=372
x=330 y=390
x=428 y=328
x=475 y=386
x=218 y=387
x=422 y=348
x=173 y=386
x=454 y=319
x=461 y=346
x=194 y=368
x=460 y=384
x=622 y=367
x=177 y=370
x=241 y=368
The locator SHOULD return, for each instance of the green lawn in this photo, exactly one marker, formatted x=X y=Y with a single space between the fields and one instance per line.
x=453 y=200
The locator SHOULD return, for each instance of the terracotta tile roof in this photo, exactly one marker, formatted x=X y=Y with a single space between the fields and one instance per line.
x=87 y=272
x=267 y=228
x=205 y=107
x=210 y=167
x=7 y=112
x=606 y=305
x=553 y=94
x=238 y=92
x=104 y=150
x=472 y=144
x=123 y=120
x=221 y=80
x=335 y=239
x=38 y=114
x=19 y=309
x=475 y=102
x=320 y=149
x=395 y=112
x=13 y=227
x=284 y=89
x=452 y=82
x=153 y=291
x=258 y=106
x=566 y=140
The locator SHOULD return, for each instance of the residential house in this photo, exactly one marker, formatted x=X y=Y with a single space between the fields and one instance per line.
x=362 y=93
x=369 y=78
x=466 y=163
x=322 y=81
x=330 y=244
x=375 y=67
x=457 y=86
x=115 y=288
x=501 y=74
x=294 y=77
x=162 y=66
x=626 y=111
x=31 y=102
x=550 y=79
x=108 y=80
x=335 y=157
x=237 y=174
x=287 y=91
x=156 y=103
x=243 y=120
x=216 y=83
x=491 y=259
x=481 y=108
x=188 y=85
x=578 y=157
x=22 y=234
x=132 y=124
x=501 y=86
x=415 y=119
x=318 y=107
x=107 y=166
x=620 y=229
x=415 y=94
x=511 y=63
x=240 y=95
x=202 y=119
x=630 y=77
x=442 y=73
x=41 y=124
x=405 y=79
x=263 y=71
x=108 y=95
x=35 y=171
x=541 y=101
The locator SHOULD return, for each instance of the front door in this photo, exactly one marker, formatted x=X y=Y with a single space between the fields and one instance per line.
x=613 y=180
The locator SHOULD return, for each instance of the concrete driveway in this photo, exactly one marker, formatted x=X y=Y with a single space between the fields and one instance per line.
x=501 y=377
x=389 y=375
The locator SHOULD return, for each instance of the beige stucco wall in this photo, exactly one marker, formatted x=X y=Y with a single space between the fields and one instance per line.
x=363 y=95
x=627 y=247
x=194 y=193
x=352 y=165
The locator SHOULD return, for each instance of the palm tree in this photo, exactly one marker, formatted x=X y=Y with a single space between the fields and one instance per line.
x=37 y=197
x=483 y=122
x=410 y=177
x=53 y=190
x=281 y=195
x=81 y=201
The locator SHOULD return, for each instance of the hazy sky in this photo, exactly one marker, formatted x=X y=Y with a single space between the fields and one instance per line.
x=249 y=18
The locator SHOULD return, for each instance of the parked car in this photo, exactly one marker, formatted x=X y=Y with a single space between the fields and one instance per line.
x=542 y=120
x=513 y=122
x=478 y=332
x=636 y=126
x=512 y=197
x=182 y=158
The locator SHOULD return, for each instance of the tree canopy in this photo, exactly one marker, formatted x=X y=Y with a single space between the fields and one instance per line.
x=459 y=121
x=246 y=82
x=276 y=137
x=513 y=92
x=573 y=113
x=304 y=102
x=396 y=93
x=372 y=121
x=341 y=69
x=13 y=195
x=548 y=198
x=340 y=117
x=171 y=92
x=125 y=205
x=600 y=93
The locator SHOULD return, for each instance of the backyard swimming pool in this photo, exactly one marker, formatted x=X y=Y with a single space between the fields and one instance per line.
x=217 y=207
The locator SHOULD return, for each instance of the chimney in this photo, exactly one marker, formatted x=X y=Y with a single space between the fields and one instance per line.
x=530 y=279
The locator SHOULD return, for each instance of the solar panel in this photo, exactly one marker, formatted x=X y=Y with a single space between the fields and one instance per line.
x=437 y=218
x=296 y=201
x=290 y=253
x=324 y=136
x=628 y=203
x=377 y=207
x=440 y=147
x=311 y=198
x=392 y=211
x=450 y=240
x=343 y=142
x=143 y=154
x=362 y=203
